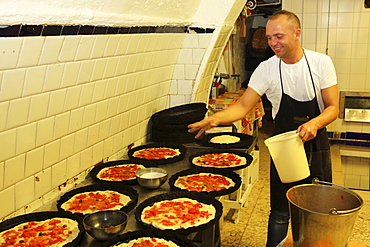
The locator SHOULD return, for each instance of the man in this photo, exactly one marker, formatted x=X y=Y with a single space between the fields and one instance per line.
x=302 y=88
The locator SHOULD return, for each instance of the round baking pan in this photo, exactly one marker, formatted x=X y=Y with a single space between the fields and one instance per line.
x=173 y=195
x=193 y=171
x=160 y=145
x=153 y=233
x=94 y=172
x=123 y=189
x=182 y=114
x=244 y=142
x=40 y=216
x=248 y=158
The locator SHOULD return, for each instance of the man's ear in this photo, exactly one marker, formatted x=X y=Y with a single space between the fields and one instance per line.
x=297 y=34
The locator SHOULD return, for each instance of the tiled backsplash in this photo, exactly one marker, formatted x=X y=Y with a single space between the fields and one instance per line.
x=71 y=101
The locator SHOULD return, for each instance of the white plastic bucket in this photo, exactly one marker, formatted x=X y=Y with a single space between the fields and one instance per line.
x=287 y=152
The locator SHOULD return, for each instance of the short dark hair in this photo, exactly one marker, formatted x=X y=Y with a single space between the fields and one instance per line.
x=293 y=18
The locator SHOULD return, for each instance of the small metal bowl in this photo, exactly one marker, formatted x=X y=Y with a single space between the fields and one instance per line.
x=151 y=178
x=104 y=225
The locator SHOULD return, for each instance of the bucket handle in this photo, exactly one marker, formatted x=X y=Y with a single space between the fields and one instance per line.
x=334 y=211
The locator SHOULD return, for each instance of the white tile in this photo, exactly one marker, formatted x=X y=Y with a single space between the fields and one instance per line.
x=51 y=153
x=112 y=44
x=359 y=168
x=80 y=140
x=176 y=100
x=86 y=94
x=8 y=207
x=30 y=51
x=344 y=36
x=72 y=97
x=24 y=192
x=99 y=68
x=61 y=125
x=38 y=106
x=26 y=138
x=51 y=49
x=133 y=43
x=4 y=114
x=173 y=88
x=122 y=64
x=198 y=55
x=18 y=112
x=179 y=71
x=69 y=48
x=1 y=175
x=76 y=120
x=99 y=46
x=34 y=161
x=104 y=129
x=70 y=74
x=185 y=87
x=73 y=166
x=42 y=182
x=143 y=42
x=66 y=146
x=191 y=71
x=99 y=90
x=53 y=78
x=185 y=56
x=131 y=64
x=364 y=183
x=85 y=47
x=14 y=170
x=34 y=81
x=110 y=69
x=86 y=158
x=352 y=181
x=101 y=110
x=112 y=107
x=10 y=49
x=345 y=20
x=89 y=115
x=123 y=44
x=58 y=174
x=93 y=135
x=12 y=84
x=203 y=40
x=57 y=100
x=86 y=70
x=111 y=87
x=359 y=53
x=45 y=131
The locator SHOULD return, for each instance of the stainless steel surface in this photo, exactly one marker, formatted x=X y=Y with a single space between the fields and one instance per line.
x=104 y=225
x=358 y=113
x=151 y=178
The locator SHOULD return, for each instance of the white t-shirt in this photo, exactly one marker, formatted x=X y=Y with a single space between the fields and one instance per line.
x=296 y=79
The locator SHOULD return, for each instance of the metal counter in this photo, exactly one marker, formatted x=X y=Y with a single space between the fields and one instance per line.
x=208 y=238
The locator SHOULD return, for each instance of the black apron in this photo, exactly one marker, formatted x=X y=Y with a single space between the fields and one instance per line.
x=290 y=116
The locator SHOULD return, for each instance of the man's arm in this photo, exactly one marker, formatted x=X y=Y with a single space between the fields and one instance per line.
x=308 y=131
x=229 y=115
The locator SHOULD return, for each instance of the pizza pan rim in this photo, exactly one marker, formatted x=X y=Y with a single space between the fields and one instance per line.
x=124 y=189
x=44 y=215
x=206 y=199
x=178 y=239
x=248 y=157
x=226 y=172
x=182 y=149
x=94 y=172
x=245 y=140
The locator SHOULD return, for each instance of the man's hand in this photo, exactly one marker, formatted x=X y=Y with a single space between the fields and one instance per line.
x=203 y=125
x=307 y=131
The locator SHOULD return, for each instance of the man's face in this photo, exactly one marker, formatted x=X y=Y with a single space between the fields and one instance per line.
x=282 y=37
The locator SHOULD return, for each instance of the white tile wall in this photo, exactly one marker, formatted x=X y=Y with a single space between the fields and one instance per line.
x=356 y=171
x=67 y=103
x=348 y=43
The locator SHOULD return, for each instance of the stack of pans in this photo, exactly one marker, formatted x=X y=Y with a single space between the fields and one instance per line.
x=170 y=125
